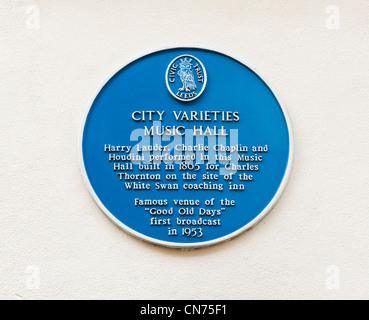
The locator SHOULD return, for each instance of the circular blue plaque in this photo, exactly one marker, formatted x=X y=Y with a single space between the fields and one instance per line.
x=186 y=148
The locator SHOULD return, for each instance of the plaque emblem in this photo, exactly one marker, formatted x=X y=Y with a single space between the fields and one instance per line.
x=186 y=78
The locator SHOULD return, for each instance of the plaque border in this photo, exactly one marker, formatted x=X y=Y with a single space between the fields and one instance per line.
x=204 y=244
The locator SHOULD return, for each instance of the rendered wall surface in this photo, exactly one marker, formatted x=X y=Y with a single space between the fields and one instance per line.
x=55 y=241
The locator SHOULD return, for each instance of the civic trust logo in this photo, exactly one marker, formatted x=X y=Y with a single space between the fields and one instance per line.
x=186 y=78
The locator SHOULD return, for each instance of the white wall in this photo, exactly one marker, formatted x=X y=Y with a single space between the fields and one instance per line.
x=51 y=230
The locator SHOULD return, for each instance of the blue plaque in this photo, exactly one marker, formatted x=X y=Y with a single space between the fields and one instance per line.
x=186 y=148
